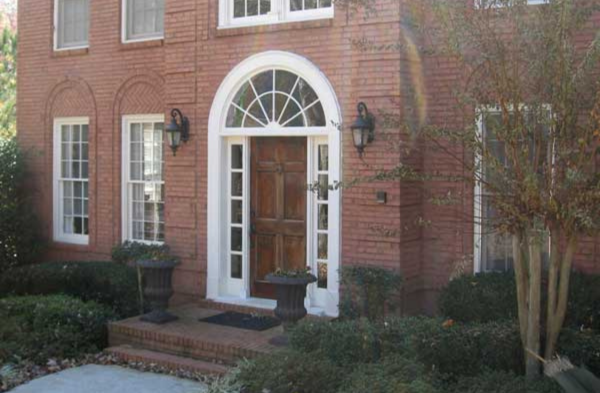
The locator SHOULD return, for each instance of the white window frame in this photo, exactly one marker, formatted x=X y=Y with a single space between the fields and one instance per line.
x=125 y=172
x=57 y=205
x=124 y=36
x=56 y=22
x=478 y=190
x=280 y=13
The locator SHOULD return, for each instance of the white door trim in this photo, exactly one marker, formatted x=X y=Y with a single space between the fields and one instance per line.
x=217 y=165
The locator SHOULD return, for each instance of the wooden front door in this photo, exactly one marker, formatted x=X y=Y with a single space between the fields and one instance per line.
x=278 y=209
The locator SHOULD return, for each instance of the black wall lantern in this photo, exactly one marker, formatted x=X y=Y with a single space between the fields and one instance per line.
x=363 y=128
x=177 y=132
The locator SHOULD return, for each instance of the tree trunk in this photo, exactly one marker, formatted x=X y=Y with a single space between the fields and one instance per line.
x=558 y=291
x=532 y=365
x=522 y=280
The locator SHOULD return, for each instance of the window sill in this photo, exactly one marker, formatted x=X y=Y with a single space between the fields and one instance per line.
x=228 y=31
x=154 y=43
x=70 y=52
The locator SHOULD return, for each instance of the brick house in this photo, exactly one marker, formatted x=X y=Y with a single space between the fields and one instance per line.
x=270 y=88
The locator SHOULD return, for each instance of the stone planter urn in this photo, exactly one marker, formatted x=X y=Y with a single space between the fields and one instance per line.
x=290 y=293
x=158 y=289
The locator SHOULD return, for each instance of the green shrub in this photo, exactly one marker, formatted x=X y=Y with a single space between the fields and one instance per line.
x=503 y=382
x=344 y=343
x=493 y=297
x=581 y=348
x=392 y=375
x=369 y=292
x=449 y=349
x=19 y=237
x=107 y=283
x=469 y=349
x=42 y=327
x=290 y=371
x=129 y=252
x=489 y=296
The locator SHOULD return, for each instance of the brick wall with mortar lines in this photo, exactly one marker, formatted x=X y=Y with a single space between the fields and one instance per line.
x=112 y=79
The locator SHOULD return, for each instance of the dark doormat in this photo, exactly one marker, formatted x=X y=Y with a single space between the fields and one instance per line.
x=238 y=320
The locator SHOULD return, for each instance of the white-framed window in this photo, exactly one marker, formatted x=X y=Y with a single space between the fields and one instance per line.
x=498 y=4
x=71 y=24
x=143 y=20
x=237 y=13
x=143 y=189
x=237 y=157
x=71 y=178
x=493 y=250
x=321 y=212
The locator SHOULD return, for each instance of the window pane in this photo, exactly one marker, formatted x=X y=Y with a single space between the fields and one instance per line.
x=236 y=266
x=323 y=189
x=236 y=239
x=296 y=5
x=323 y=157
x=323 y=217
x=310 y=4
x=236 y=212
x=237 y=157
x=322 y=246
x=265 y=7
x=239 y=8
x=236 y=184
x=251 y=7
x=322 y=275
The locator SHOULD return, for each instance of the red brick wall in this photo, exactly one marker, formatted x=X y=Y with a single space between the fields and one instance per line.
x=184 y=70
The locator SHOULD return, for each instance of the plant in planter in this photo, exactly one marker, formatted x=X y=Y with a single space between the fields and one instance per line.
x=290 y=290
x=157 y=267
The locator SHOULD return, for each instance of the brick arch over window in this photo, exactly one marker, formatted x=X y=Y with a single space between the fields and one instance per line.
x=139 y=93
x=72 y=97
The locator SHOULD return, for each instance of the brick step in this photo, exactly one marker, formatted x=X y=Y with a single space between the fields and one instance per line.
x=171 y=362
x=188 y=337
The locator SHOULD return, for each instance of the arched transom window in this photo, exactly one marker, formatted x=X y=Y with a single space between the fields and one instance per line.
x=275 y=99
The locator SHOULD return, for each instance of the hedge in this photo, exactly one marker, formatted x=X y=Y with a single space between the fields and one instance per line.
x=20 y=242
x=107 y=283
x=42 y=327
x=492 y=297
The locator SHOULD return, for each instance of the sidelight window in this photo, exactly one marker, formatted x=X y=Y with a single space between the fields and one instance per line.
x=236 y=209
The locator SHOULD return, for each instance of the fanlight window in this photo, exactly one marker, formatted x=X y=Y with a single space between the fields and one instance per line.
x=276 y=99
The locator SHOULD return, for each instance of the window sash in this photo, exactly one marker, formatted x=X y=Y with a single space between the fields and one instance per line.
x=71 y=177
x=144 y=215
x=234 y=13
x=494 y=249
x=72 y=24
x=144 y=19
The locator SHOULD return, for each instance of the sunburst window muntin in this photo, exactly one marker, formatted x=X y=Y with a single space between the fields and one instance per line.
x=275 y=99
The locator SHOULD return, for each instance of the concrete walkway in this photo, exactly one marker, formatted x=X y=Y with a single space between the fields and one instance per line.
x=109 y=379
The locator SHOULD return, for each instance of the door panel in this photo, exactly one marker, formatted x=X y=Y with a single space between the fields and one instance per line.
x=278 y=209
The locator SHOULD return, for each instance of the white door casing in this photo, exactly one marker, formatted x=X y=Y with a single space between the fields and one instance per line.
x=219 y=284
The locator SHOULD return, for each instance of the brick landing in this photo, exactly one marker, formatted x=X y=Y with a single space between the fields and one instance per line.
x=189 y=338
